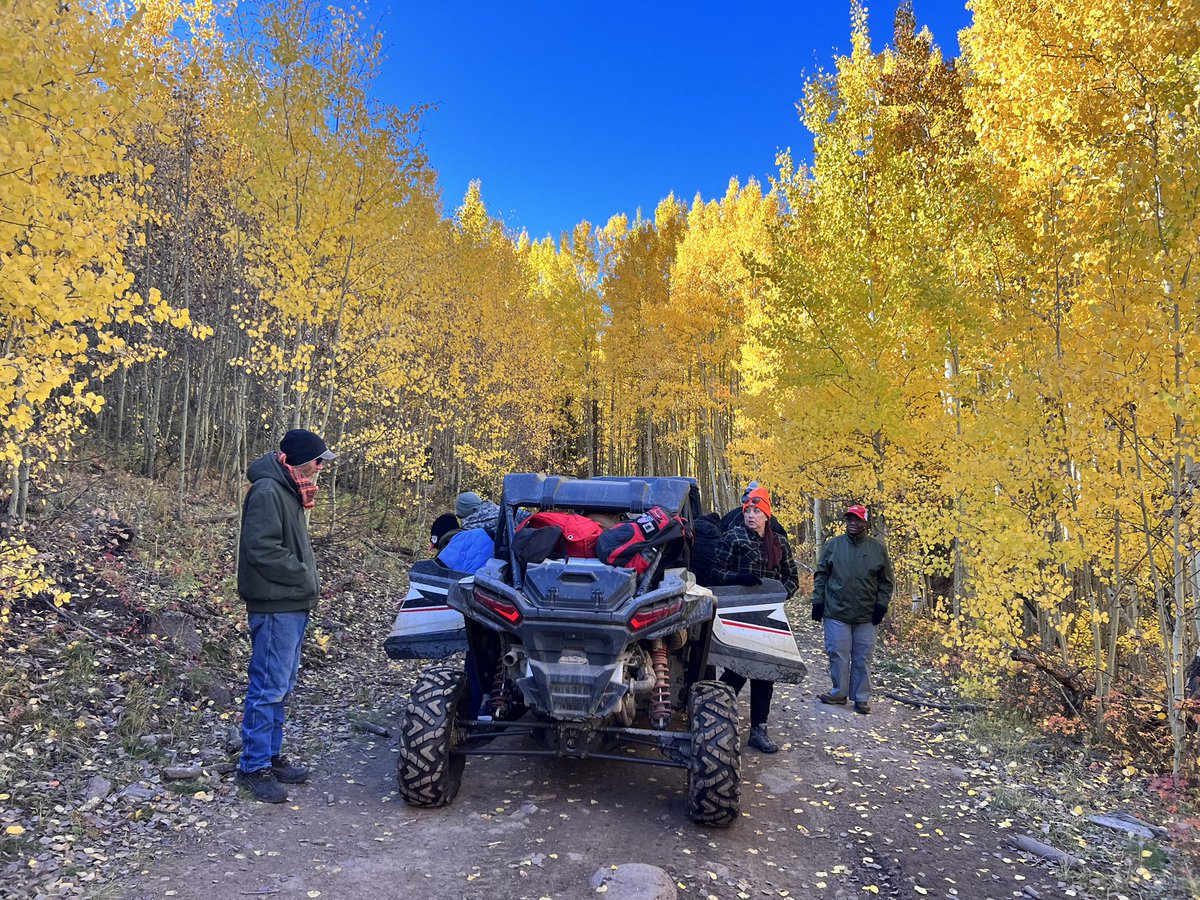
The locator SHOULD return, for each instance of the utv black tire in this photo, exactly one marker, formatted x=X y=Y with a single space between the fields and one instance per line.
x=714 y=776
x=429 y=769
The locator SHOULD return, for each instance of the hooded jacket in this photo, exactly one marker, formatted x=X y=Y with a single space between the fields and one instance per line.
x=852 y=577
x=277 y=571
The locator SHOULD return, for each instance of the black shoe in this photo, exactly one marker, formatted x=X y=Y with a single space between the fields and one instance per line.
x=262 y=786
x=863 y=709
x=833 y=699
x=286 y=773
x=760 y=741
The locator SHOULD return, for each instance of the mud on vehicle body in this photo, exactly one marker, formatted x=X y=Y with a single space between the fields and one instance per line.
x=585 y=658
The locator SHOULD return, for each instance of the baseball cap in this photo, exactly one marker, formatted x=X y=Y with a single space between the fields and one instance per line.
x=300 y=446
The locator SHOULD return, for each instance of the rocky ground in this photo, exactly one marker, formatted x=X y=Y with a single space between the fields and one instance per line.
x=904 y=802
x=118 y=715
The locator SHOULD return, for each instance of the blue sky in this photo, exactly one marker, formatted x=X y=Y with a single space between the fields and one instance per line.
x=568 y=111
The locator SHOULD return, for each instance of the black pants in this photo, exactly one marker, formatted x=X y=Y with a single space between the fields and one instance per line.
x=760 y=695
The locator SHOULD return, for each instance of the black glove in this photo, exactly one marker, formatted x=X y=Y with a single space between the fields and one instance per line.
x=818 y=612
x=746 y=578
x=878 y=614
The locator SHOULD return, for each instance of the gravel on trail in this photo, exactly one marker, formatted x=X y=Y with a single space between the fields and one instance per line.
x=851 y=805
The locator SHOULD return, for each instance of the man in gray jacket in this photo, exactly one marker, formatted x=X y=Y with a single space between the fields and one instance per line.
x=851 y=591
x=277 y=580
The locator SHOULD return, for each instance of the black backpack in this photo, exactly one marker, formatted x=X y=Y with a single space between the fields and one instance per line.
x=704 y=547
x=536 y=545
x=632 y=544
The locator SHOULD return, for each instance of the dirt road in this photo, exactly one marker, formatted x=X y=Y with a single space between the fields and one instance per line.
x=851 y=806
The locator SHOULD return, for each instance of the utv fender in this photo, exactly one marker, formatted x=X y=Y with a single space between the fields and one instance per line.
x=714 y=774
x=429 y=769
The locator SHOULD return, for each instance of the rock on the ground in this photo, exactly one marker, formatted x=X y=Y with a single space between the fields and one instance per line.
x=137 y=792
x=635 y=881
x=177 y=773
x=218 y=693
x=98 y=788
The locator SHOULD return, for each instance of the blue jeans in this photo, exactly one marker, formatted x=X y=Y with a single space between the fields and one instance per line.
x=275 y=640
x=850 y=648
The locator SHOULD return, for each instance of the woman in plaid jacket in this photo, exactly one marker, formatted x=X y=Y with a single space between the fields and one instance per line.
x=746 y=554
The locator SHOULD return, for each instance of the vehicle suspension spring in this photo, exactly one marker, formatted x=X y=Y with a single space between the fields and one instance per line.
x=660 y=694
x=500 y=693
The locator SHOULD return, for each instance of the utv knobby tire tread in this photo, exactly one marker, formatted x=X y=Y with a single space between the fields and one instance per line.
x=429 y=771
x=714 y=774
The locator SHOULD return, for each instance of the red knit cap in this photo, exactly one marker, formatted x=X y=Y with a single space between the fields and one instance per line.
x=761 y=498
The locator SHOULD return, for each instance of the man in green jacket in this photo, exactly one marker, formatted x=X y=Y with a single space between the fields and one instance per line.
x=277 y=580
x=851 y=591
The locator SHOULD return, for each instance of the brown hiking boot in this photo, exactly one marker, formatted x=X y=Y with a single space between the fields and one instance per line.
x=832 y=699
x=863 y=709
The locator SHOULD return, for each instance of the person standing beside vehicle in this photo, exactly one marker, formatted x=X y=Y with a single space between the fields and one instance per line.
x=745 y=555
x=734 y=516
x=851 y=591
x=277 y=580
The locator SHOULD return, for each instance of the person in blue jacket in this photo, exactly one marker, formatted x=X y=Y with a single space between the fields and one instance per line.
x=463 y=550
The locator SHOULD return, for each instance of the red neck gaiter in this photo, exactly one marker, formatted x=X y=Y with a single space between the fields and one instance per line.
x=305 y=488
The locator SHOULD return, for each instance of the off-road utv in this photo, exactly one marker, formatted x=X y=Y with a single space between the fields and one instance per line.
x=584 y=658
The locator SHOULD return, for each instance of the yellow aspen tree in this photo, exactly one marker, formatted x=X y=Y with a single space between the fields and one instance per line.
x=564 y=285
x=712 y=287
x=1089 y=113
x=848 y=361
x=71 y=205
x=637 y=351
x=500 y=389
x=322 y=178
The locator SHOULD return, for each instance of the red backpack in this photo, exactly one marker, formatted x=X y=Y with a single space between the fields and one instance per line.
x=579 y=532
x=632 y=544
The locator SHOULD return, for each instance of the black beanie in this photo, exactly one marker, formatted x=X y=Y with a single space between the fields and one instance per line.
x=442 y=526
x=300 y=446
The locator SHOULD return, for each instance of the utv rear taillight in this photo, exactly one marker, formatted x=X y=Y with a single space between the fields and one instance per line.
x=503 y=608
x=651 y=614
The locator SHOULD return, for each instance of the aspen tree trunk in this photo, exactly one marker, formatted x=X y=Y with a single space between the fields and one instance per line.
x=151 y=411
x=958 y=573
x=1105 y=677
x=333 y=505
x=22 y=492
x=118 y=430
x=241 y=451
x=200 y=454
x=612 y=422
x=14 y=480
x=818 y=530
x=18 y=501
x=183 y=430
x=186 y=241
x=594 y=467
x=1178 y=650
x=1180 y=631
x=1164 y=622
